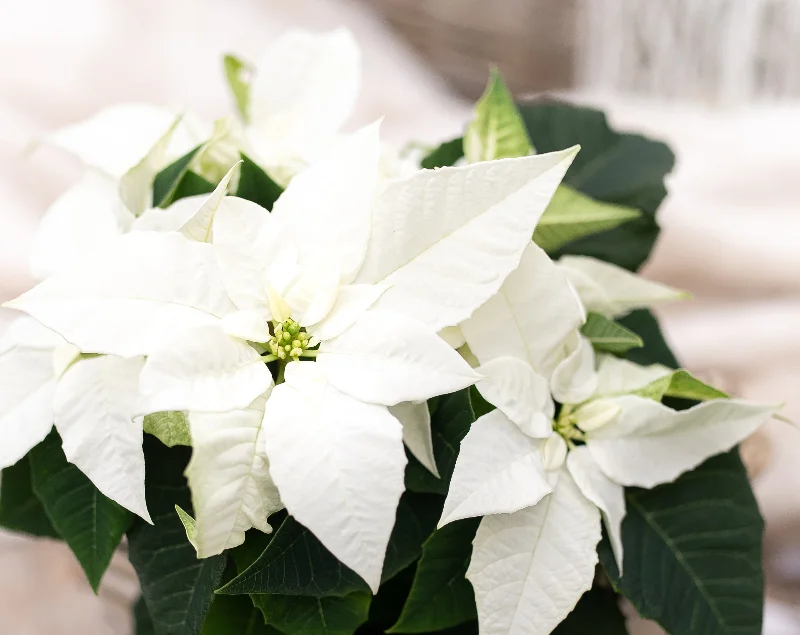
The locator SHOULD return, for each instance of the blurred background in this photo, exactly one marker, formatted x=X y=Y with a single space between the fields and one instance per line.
x=719 y=80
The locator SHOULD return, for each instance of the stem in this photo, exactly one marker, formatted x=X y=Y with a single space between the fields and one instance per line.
x=281 y=371
x=268 y=358
x=309 y=353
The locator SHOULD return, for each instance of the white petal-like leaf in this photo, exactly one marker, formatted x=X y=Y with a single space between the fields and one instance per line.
x=498 y=471
x=385 y=358
x=170 y=219
x=327 y=206
x=530 y=568
x=617 y=376
x=446 y=239
x=611 y=290
x=535 y=310
x=304 y=88
x=522 y=394
x=574 y=380
x=250 y=325
x=77 y=224
x=28 y=378
x=134 y=296
x=203 y=369
x=601 y=491
x=650 y=444
x=117 y=138
x=351 y=301
x=95 y=409
x=416 y=421
x=232 y=490
x=338 y=464
x=199 y=227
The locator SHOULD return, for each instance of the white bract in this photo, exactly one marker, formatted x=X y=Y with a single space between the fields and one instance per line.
x=544 y=485
x=353 y=277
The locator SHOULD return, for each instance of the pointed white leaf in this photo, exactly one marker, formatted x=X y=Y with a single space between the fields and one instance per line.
x=554 y=452
x=617 y=376
x=574 y=379
x=530 y=568
x=327 y=206
x=95 y=409
x=446 y=239
x=613 y=291
x=416 y=421
x=77 y=224
x=304 y=88
x=134 y=296
x=199 y=226
x=535 y=310
x=454 y=336
x=522 y=394
x=170 y=219
x=596 y=413
x=232 y=490
x=250 y=325
x=203 y=369
x=117 y=138
x=26 y=332
x=26 y=399
x=650 y=444
x=601 y=491
x=338 y=464
x=385 y=358
x=351 y=301
x=498 y=471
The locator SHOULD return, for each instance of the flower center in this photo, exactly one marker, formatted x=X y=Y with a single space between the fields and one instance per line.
x=566 y=426
x=290 y=341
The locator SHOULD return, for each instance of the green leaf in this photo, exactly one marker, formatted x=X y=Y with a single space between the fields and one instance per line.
x=295 y=563
x=622 y=169
x=680 y=384
x=608 y=336
x=256 y=185
x=417 y=515
x=142 y=624
x=235 y=615
x=572 y=215
x=91 y=524
x=441 y=597
x=450 y=423
x=171 y=428
x=189 y=525
x=177 y=587
x=597 y=612
x=237 y=72
x=314 y=616
x=693 y=552
x=192 y=185
x=169 y=179
x=446 y=154
x=20 y=509
x=497 y=130
x=655 y=349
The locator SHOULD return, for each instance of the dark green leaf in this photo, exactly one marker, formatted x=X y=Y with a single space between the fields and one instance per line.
x=91 y=524
x=296 y=563
x=167 y=181
x=20 y=509
x=192 y=185
x=623 y=169
x=608 y=336
x=446 y=154
x=693 y=552
x=256 y=185
x=314 y=616
x=597 y=613
x=177 y=587
x=417 y=515
x=142 y=624
x=655 y=349
x=450 y=423
x=441 y=597
x=237 y=73
x=235 y=615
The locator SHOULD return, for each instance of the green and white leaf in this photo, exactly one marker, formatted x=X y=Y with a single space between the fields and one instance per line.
x=497 y=130
x=189 y=524
x=91 y=524
x=237 y=73
x=609 y=336
x=171 y=428
x=572 y=215
x=416 y=421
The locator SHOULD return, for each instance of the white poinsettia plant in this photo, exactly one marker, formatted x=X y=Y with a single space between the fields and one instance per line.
x=322 y=390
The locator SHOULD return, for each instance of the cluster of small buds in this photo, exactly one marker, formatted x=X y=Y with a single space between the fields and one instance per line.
x=290 y=341
x=566 y=426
